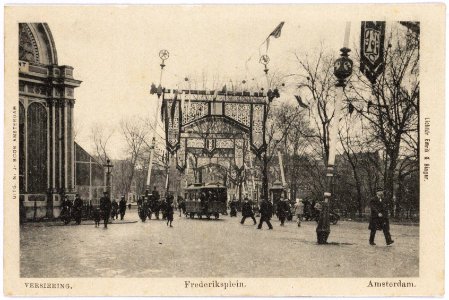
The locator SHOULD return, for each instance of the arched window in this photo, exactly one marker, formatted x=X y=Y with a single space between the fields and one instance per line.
x=37 y=148
x=21 y=148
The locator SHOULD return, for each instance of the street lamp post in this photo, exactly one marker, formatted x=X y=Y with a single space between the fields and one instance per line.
x=264 y=60
x=108 y=166
x=342 y=70
x=163 y=55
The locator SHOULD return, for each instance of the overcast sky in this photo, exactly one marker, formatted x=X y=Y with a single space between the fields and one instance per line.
x=115 y=52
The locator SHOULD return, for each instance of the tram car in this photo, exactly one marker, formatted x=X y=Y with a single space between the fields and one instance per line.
x=205 y=200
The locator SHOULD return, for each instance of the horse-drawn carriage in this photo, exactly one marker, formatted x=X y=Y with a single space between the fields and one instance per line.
x=205 y=200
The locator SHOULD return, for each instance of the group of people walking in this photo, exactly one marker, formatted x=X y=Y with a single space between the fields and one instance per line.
x=266 y=211
x=150 y=203
x=107 y=210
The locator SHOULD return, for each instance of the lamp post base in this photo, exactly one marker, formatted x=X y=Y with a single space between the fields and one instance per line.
x=323 y=228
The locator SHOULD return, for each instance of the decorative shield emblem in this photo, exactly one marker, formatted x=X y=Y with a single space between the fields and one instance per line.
x=372 y=49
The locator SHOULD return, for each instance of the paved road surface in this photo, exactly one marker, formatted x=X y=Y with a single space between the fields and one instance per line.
x=214 y=248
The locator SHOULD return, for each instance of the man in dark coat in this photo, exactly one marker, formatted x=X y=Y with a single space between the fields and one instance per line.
x=282 y=210
x=77 y=209
x=266 y=211
x=155 y=203
x=114 y=210
x=233 y=206
x=105 y=207
x=122 y=207
x=379 y=219
x=169 y=210
x=247 y=211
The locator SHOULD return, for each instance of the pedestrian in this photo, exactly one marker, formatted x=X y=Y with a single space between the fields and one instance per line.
x=181 y=206
x=379 y=219
x=77 y=209
x=114 y=209
x=233 y=206
x=169 y=211
x=129 y=206
x=299 y=210
x=122 y=207
x=105 y=208
x=96 y=215
x=282 y=210
x=66 y=211
x=266 y=211
x=247 y=211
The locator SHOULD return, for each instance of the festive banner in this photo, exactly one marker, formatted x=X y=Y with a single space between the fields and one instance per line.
x=181 y=160
x=239 y=153
x=257 y=134
x=172 y=124
x=372 y=49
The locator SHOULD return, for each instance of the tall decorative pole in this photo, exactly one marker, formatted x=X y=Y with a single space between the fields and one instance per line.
x=164 y=55
x=264 y=60
x=342 y=70
x=108 y=166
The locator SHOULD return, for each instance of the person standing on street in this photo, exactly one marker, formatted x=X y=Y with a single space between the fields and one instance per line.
x=282 y=210
x=299 y=210
x=77 y=209
x=266 y=211
x=169 y=210
x=247 y=211
x=114 y=209
x=122 y=207
x=379 y=219
x=105 y=207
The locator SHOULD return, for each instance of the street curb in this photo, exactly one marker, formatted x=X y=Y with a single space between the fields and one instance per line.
x=42 y=224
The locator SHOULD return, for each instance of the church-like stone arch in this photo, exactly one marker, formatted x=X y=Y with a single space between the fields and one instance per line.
x=46 y=102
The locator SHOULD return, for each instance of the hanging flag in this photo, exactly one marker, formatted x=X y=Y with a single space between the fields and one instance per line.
x=370 y=103
x=159 y=90
x=164 y=104
x=189 y=104
x=183 y=100
x=300 y=103
x=372 y=61
x=153 y=89
x=173 y=106
x=276 y=33
x=350 y=108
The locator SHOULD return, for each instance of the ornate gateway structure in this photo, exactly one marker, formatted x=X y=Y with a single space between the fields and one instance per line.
x=46 y=145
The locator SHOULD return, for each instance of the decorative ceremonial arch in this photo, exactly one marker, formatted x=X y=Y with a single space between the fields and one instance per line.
x=210 y=124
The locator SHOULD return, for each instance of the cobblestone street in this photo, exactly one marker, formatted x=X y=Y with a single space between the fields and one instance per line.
x=213 y=248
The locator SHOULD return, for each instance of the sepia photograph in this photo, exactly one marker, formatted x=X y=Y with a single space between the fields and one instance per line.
x=221 y=145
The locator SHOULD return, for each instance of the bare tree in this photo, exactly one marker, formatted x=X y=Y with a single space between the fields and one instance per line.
x=391 y=104
x=100 y=137
x=135 y=133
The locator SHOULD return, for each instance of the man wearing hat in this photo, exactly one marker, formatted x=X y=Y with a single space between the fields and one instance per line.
x=105 y=207
x=77 y=209
x=379 y=218
x=122 y=207
x=282 y=210
x=266 y=211
x=247 y=211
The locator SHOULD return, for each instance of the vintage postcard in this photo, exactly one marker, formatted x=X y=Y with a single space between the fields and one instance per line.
x=224 y=150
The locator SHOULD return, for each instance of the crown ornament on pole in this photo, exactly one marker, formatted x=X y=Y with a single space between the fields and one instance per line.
x=264 y=60
x=164 y=55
